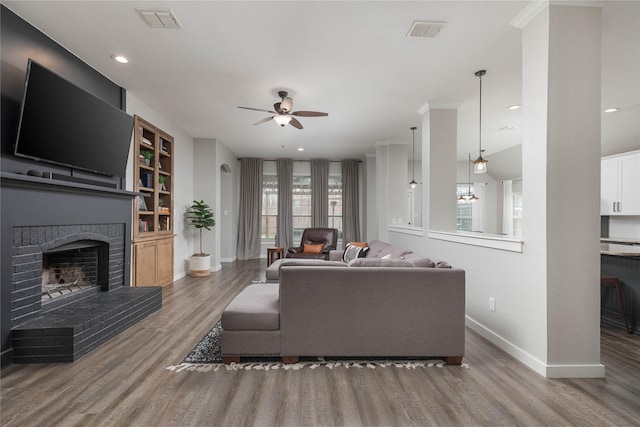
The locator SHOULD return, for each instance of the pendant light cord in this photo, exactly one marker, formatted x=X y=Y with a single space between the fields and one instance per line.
x=413 y=155
x=480 y=118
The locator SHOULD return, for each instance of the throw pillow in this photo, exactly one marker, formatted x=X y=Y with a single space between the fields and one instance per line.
x=312 y=249
x=359 y=244
x=353 y=252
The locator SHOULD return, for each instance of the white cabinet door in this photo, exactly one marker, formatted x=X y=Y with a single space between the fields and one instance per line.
x=620 y=184
x=630 y=185
x=608 y=186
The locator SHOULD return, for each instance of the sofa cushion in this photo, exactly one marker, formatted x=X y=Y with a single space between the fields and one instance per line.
x=273 y=271
x=256 y=308
x=390 y=262
x=378 y=249
x=354 y=252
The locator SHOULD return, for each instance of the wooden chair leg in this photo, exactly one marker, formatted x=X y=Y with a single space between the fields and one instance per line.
x=624 y=313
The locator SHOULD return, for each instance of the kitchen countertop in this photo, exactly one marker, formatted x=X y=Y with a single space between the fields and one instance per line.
x=619 y=249
x=624 y=240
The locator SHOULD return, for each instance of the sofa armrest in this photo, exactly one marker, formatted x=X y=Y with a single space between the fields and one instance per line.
x=297 y=250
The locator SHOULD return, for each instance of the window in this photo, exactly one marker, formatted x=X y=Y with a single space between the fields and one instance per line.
x=269 y=206
x=301 y=204
x=464 y=210
x=301 y=208
x=517 y=208
x=335 y=203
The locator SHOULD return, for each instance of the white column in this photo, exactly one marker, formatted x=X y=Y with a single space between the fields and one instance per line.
x=561 y=181
x=439 y=150
x=391 y=185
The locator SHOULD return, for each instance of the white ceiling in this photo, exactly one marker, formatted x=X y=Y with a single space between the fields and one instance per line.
x=348 y=58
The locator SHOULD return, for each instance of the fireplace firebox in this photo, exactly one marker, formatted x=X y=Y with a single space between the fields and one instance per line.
x=76 y=268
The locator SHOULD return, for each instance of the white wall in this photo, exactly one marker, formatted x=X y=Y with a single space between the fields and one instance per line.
x=220 y=191
x=182 y=176
x=627 y=227
x=205 y=183
x=227 y=202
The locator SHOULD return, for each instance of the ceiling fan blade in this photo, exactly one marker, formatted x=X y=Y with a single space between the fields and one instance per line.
x=258 y=109
x=259 y=122
x=286 y=104
x=295 y=123
x=309 y=114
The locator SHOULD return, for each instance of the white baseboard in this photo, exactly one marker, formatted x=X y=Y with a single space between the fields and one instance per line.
x=232 y=259
x=548 y=371
x=216 y=267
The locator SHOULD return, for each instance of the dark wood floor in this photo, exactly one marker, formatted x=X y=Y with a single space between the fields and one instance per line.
x=125 y=381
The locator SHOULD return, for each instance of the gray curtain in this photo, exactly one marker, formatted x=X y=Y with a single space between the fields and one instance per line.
x=350 y=201
x=319 y=193
x=250 y=212
x=284 y=234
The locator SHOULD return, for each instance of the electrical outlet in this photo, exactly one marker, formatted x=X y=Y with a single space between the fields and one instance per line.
x=492 y=304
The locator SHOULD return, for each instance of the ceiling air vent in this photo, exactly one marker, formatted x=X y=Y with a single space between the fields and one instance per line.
x=159 y=18
x=423 y=30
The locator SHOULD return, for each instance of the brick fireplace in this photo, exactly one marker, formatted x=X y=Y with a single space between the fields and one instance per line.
x=66 y=251
x=35 y=246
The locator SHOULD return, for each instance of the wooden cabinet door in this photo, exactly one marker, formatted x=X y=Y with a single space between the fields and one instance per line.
x=144 y=258
x=608 y=186
x=165 y=262
x=630 y=185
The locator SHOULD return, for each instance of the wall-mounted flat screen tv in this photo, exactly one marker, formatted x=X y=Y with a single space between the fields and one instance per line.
x=63 y=124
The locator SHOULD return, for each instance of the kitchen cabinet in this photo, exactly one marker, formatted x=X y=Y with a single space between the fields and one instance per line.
x=620 y=184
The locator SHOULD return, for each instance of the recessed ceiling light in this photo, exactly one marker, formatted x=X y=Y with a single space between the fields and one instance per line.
x=611 y=110
x=513 y=107
x=300 y=149
x=119 y=58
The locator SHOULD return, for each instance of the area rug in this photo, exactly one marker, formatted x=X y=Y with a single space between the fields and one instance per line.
x=206 y=356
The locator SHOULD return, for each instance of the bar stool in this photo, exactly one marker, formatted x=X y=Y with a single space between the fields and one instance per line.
x=272 y=253
x=613 y=281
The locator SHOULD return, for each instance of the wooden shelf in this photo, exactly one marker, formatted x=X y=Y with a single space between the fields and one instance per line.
x=153 y=230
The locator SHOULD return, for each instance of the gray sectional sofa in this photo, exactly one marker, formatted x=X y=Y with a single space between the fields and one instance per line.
x=387 y=306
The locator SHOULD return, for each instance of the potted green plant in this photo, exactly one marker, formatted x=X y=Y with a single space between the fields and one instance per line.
x=147 y=156
x=200 y=215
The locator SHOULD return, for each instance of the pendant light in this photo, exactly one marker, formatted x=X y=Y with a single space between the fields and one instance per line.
x=413 y=182
x=469 y=197
x=480 y=163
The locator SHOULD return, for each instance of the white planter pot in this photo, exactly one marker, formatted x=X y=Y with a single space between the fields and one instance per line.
x=200 y=265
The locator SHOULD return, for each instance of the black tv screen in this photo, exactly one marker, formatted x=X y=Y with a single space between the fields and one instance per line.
x=63 y=124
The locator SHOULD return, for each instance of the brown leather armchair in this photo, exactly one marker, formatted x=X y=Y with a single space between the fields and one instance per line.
x=328 y=237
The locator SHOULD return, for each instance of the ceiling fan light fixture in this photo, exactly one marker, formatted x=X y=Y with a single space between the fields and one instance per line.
x=282 y=120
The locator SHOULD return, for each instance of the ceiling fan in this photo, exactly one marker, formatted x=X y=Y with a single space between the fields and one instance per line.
x=282 y=114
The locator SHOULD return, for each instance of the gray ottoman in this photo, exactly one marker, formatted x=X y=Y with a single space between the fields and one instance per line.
x=251 y=323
